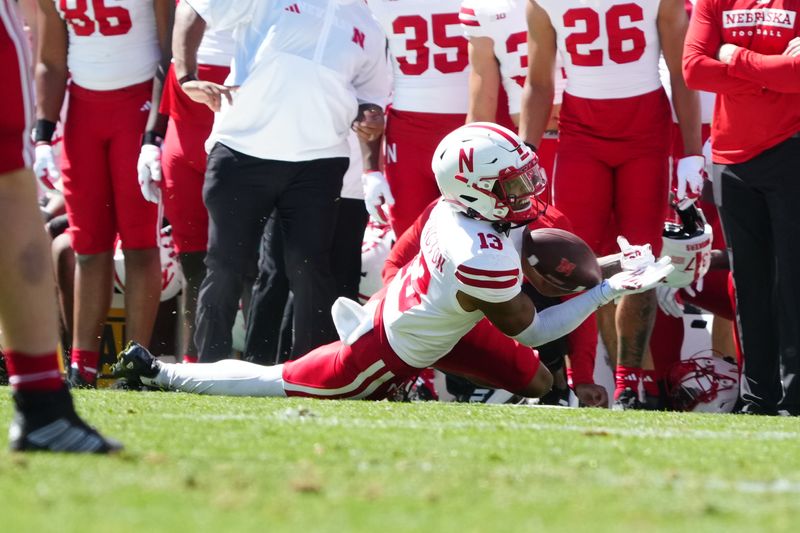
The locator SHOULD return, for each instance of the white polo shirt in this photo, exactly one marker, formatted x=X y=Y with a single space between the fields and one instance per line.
x=302 y=67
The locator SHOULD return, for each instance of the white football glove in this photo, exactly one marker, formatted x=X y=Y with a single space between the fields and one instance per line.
x=377 y=195
x=668 y=300
x=709 y=168
x=45 y=168
x=691 y=172
x=634 y=257
x=149 y=170
x=642 y=280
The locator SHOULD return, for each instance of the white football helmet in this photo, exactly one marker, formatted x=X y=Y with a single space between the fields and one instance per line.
x=487 y=172
x=689 y=246
x=704 y=384
x=171 y=273
x=375 y=247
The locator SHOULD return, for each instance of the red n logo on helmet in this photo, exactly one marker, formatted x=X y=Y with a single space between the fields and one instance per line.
x=465 y=160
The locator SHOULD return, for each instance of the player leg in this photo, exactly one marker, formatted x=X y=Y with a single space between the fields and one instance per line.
x=183 y=162
x=488 y=357
x=641 y=187
x=137 y=219
x=45 y=418
x=92 y=228
x=368 y=369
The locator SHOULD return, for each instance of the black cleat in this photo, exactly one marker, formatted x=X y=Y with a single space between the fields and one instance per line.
x=135 y=362
x=556 y=396
x=75 y=380
x=47 y=422
x=627 y=399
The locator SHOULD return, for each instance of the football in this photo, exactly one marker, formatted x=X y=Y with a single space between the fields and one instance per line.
x=558 y=262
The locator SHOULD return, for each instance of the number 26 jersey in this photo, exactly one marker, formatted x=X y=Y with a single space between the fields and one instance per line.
x=610 y=48
x=421 y=315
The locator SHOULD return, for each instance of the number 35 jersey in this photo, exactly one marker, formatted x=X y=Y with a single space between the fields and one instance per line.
x=430 y=60
x=112 y=43
x=421 y=315
x=610 y=49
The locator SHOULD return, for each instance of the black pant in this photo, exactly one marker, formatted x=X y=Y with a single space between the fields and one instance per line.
x=759 y=204
x=269 y=336
x=240 y=193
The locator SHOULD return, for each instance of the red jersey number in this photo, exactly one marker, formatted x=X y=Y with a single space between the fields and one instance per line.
x=625 y=44
x=416 y=280
x=445 y=62
x=113 y=20
x=514 y=41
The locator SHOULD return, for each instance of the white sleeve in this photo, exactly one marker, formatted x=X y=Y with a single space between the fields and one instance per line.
x=374 y=83
x=493 y=278
x=223 y=14
x=472 y=23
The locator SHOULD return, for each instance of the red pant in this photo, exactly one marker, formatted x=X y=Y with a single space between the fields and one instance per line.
x=15 y=92
x=613 y=165
x=183 y=161
x=102 y=136
x=411 y=140
x=369 y=369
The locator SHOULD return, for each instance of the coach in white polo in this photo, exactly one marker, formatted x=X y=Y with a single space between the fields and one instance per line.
x=302 y=72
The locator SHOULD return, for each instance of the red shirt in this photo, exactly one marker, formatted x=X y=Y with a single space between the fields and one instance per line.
x=758 y=102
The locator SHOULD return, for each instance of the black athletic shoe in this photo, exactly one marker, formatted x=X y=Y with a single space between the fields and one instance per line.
x=628 y=399
x=75 y=380
x=135 y=362
x=47 y=422
x=556 y=396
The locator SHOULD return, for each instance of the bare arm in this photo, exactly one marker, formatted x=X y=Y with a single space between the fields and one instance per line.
x=537 y=95
x=369 y=126
x=484 y=80
x=189 y=30
x=51 y=64
x=672 y=24
x=164 y=14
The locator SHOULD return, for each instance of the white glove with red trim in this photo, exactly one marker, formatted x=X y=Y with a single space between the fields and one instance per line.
x=149 y=170
x=691 y=173
x=377 y=195
x=45 y=168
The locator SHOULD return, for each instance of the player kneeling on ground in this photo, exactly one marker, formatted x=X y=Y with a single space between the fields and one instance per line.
x=467 y=269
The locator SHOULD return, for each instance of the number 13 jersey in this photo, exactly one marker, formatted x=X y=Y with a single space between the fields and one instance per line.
x=112 y=43
x=421 y=315
x=610 y=49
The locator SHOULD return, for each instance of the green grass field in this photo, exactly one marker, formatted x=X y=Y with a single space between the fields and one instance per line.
x=225 y=464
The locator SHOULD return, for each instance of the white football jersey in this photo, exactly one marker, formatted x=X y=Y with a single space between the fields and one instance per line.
x=503 y=21
x=610 y=49
x=216 y=48
x=421 y=315
x=112 y=44
x=430 y=60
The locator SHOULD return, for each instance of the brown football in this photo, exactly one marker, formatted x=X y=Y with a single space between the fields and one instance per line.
x=558 y=262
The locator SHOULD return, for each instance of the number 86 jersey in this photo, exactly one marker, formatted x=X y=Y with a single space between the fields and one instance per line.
x=421 y=315
x=610 y=48
x=112 y=43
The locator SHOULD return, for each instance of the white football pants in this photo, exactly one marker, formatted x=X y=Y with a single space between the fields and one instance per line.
x=229 y=377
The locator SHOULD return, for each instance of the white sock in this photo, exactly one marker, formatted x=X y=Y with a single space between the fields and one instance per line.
x=230 y=377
